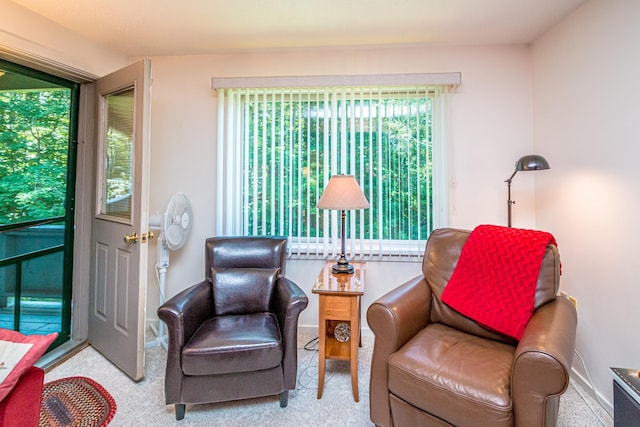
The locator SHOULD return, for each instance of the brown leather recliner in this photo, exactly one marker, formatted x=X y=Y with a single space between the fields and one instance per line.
x=234 y=335
x=434 y=366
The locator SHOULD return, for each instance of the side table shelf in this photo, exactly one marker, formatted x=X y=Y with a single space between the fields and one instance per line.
x=335 y=349
x=339 y=308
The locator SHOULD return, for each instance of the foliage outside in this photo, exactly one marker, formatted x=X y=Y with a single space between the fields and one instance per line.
x=292 y=147
x=34 y=140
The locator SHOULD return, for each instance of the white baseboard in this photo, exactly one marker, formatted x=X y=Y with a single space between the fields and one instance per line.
x=594 y=394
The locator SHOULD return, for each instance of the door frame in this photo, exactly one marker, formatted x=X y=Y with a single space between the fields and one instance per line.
x=85 y=196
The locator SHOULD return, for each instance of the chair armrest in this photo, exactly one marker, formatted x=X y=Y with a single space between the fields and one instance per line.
x=394 y=318
x=542 y=363
x=186 y=311
x=183 y=315
x=289 y=301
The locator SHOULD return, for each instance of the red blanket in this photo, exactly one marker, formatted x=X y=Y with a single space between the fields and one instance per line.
x=494 y=282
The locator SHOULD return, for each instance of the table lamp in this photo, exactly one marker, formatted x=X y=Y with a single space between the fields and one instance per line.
x=343 y=193
x=530 y=162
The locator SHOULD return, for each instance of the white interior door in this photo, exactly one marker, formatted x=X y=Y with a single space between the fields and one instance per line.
x=120 y=224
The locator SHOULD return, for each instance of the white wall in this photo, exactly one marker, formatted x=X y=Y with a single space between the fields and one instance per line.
x=587 y=123
x=491 y=128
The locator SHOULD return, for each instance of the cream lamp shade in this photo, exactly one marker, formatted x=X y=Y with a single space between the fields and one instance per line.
x=343 y=193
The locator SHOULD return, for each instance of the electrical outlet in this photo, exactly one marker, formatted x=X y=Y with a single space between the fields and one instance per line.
x=571 y=298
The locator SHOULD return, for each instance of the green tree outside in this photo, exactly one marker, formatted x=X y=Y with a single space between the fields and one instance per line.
x=393 y=157
x=34 y=139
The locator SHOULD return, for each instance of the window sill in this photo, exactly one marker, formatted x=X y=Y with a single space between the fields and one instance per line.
x=367 y=258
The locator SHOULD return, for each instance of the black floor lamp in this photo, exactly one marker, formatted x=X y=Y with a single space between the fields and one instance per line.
x=530 y=162
x=343 y=193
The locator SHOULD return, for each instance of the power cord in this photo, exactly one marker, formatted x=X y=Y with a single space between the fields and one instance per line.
x=584 y=398
x=308 y=376
x=312 y=344
x=160 y=291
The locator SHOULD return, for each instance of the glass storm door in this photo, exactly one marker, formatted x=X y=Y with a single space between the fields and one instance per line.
x=38 y=133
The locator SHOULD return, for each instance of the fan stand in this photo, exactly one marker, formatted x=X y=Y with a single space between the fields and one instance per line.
x=178 y=214
x=161 y=265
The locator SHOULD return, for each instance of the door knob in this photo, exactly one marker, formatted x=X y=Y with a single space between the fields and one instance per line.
x=131 y=238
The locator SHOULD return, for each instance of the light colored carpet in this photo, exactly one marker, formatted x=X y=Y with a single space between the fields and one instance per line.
x=142 y=403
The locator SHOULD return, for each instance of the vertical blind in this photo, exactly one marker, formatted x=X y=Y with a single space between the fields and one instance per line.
x=278 y=147
x=117 y=176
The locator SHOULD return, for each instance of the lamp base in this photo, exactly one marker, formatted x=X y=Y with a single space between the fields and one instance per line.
x=342 y=266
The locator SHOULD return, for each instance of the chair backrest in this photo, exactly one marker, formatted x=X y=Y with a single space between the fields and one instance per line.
x=245 y=252
x=440 y=259
x=243 y=272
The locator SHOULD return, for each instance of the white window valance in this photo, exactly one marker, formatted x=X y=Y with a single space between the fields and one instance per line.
x=449 y=79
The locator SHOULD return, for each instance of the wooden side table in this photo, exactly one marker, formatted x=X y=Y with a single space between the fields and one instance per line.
x=339 y=296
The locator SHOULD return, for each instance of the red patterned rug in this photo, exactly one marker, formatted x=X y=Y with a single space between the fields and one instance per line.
x=75 y=402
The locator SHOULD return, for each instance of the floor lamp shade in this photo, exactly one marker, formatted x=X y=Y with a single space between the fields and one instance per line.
x=530 y=162
x=343 y=193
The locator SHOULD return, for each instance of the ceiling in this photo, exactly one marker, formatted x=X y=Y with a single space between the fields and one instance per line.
x=171 y=27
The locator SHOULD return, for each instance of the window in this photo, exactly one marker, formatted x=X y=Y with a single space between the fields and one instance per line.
x=118 y=145
x=281 y=145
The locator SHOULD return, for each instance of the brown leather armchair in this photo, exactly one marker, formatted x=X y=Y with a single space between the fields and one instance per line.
x=234 y=335
x=434 y=366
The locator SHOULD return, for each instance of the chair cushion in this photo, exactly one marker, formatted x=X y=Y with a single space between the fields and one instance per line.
x=243 y=290
x=234 y=343
x=454 y=376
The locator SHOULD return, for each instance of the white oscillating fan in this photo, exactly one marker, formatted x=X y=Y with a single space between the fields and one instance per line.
x=174 y=225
